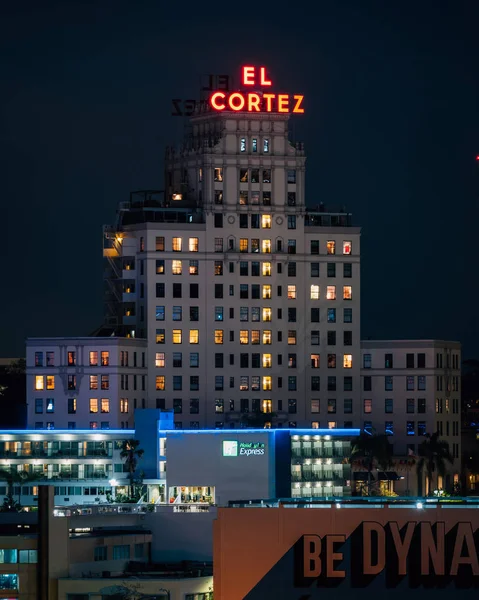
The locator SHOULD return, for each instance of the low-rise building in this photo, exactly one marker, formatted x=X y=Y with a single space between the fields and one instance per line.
x=411 y=389
x=85 y=383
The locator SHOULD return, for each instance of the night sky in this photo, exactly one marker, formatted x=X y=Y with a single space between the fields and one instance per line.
x=391 y=131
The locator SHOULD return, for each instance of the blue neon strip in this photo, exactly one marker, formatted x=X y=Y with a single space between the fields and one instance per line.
x=331 y=432
x=67 y=431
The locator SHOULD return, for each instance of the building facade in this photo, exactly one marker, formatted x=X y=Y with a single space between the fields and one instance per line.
x=250 y=301
x=411 y=388
x=85 y=383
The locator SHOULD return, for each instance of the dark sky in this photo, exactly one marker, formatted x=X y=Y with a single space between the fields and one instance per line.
x=391 y=131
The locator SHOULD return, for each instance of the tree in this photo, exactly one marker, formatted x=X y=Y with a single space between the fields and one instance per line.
x=372 y=451
x=433 y=453
x=17 y=478
x=257 y=419
x=131 y=454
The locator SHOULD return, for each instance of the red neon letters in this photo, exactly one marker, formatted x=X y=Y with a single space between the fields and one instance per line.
x=253 y=101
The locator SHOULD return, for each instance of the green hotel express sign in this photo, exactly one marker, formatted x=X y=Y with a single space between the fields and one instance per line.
x=235 y=448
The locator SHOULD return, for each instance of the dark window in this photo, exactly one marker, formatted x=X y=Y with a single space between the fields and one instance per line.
x=194 y=313
x=177 y=290
x=291 y=269
x=194 y=290
x=244 y=361
x=314 y=246
x=367 y=383
x=219 y=361
x=315 y=269
x=421 y=405
x=331 y=269
x=409 y=361
x=331 y=338
x=348 y=338
x=348 y=384
x=292 y=406
x=218 y=220
x=347 y=270
x=255 y=291
x=243 y=291
x=244 y=221
x=315 y=383
x=291 y=315
x=315 y=315
x=421 y=360
x=160 y=290
x=255 y=361
x=218 y=290
x=331 y=383
x=388 y=361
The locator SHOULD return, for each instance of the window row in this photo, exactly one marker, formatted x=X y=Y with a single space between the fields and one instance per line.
x=389 y=363
x=412 y=428
x=411 y=406
x=47 y=359
x=73 y=425
x=448 y=430
x=176 y=244
x=443 y=405
x=410 y=381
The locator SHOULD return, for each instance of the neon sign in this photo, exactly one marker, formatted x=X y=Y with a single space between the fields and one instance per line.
x=256 y=101
x=234 y=448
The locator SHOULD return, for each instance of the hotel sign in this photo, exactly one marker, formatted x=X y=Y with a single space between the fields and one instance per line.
x=259 y=99
x=235 y=448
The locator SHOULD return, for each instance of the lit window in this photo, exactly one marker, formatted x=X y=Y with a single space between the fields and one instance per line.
x=219 y=174
x=315 y=292
x=266 y=292
x=39 y=382
x=123 y=405
x=194 y=336
x=266 y=246
x=244 y=383
x=255 y=383
x=244 y=336
x=292 y=337
x=265 y=145
x=346 y=247
x=291 y=292
x=331 y=292
x=93 y=382
x=267 y=385
x=243 y=197
x=267 y=336
x=105 y=359
x=255 y=337
x=160 y=383
x=347 y=292
x=267 y=406
x=331 y=247
x=159 y=244
x=193 y=244
x=266 y=269
x=218 y=336
x=347 y=361
x=267 y=361
x=50 y=405
x=218 y=265
x=332 y=424
x=368 y=406
x=315 y=361
x=160 y=359
x=105 y=405
x=176 y=267
x=176 y=244
x=93 y=405
x=267 y=314
x=160 y=336
x=50 y=382
x=266 y=221
x=193 y=267
x=94 y=358
x=243 y=244
x=176 y=336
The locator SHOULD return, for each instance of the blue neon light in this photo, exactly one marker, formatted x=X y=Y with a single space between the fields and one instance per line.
x=331 y=432
x=67 y=431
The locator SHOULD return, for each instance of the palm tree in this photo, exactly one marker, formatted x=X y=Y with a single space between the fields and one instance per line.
x=18 y=478
x=433 y=454
x=131 y=453
x=372 y=451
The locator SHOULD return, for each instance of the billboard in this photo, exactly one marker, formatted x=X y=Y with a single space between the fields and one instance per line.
x=335 y=552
